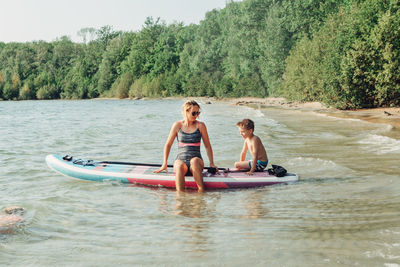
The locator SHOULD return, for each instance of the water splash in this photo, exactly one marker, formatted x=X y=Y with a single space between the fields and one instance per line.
x=380 y=144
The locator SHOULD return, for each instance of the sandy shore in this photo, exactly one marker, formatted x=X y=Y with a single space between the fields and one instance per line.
x=377 y=115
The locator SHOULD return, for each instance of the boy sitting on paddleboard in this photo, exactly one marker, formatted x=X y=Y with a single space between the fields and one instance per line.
x=257 y=150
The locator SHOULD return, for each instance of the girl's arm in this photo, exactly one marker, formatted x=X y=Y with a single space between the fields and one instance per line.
x=207 y=144
x=167 y=147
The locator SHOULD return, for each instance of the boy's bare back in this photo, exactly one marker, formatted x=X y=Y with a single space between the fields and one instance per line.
x=254 y=144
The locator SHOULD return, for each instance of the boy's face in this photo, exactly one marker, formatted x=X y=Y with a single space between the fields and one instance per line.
x=244 y=132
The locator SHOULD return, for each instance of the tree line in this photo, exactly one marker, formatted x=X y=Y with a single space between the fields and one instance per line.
x=345 y=53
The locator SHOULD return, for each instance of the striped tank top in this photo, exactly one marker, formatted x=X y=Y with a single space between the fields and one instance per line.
x=188 y=145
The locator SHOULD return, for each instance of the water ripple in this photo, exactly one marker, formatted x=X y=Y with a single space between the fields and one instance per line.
x=343 y=211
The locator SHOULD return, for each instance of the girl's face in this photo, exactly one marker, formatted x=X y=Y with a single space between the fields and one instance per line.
x=192 y=113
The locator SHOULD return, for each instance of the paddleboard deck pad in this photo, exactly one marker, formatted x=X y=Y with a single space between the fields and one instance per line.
x=142 y=174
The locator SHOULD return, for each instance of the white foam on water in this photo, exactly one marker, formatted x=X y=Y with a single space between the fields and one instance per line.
x=315 y=167
x=324 y=115
x=251 y=112
x=337 y=118
x=259 y=113
x=380 y=144
x=312 y=161
x=271 y=122
x=379 y=253
x=384 y=129
x=382 y=126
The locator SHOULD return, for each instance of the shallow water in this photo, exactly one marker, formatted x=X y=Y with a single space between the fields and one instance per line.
x=345 y=210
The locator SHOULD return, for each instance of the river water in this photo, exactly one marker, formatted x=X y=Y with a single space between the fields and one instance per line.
x=345 y=210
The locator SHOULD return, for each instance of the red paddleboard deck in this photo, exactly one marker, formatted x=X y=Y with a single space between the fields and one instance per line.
x=142 y=174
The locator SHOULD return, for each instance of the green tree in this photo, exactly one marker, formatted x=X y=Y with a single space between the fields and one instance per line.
x=341 y=65
x=11 y=86
x=26 y=92
x=342 y=52
x=87 y=34
x=386 y=40
x=140 y=60
x=64 y=53
x=105 y=34
x=2 y=82
x=111 y=66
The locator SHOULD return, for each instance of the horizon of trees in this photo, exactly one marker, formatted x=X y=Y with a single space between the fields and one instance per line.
x=344 y=53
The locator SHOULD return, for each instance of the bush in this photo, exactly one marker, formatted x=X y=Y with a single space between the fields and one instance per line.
x=199 y=85
x=386 y=41
x=351 y=62
x=250 y=85
x=137 y=88
x=27 y=92
x=120 y=87
x=47 y=92
x=171 y=83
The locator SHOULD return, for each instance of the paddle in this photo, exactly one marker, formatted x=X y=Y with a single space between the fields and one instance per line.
x=210 y=169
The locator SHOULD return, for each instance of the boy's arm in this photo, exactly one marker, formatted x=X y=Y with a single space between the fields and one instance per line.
x=254 y=154
x=244 y=152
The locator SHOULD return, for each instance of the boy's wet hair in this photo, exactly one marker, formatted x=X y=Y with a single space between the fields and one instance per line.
x=246 y=124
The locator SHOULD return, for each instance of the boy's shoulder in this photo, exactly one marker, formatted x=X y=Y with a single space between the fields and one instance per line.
x=255 y=138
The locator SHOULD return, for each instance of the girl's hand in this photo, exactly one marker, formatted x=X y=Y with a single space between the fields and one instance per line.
x=214 y=166
x=163 y=168
x=250 y=173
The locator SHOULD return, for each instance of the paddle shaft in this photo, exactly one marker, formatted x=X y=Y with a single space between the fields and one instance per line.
x=148 y=164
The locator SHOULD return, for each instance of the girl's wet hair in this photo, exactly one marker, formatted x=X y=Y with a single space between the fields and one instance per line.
x=188 y=104
x=246 y=124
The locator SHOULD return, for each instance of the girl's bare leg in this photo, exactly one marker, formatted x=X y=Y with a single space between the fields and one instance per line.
x=196 y=167
x=180 y=169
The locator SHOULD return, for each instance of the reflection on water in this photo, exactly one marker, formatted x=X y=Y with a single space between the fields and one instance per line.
x=255 y=205
x=196 y=233
x=343 y=211
x=199 y=212
x=192 y=205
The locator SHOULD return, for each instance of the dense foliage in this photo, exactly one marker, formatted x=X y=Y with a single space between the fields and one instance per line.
x=352 y=61
x=345 y=53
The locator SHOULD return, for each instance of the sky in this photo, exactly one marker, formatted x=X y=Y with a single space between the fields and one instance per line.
x=33 y=20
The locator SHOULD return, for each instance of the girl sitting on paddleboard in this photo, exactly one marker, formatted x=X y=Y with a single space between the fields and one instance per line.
x=189 y=133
